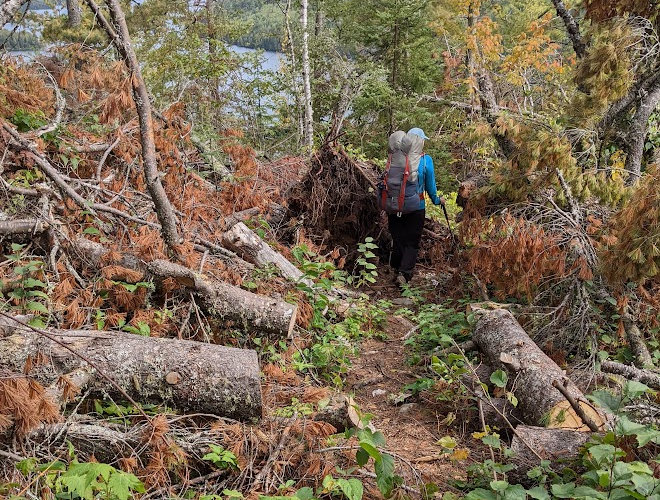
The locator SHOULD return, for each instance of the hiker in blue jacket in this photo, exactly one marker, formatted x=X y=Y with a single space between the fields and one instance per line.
x=406 y=228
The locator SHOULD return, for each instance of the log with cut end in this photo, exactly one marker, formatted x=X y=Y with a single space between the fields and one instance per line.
x=556 y=445
x=248 y=245
x=184 y=374
x=227 y=302
x=504 y=342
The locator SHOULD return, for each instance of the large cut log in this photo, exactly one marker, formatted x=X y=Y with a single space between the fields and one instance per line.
x=504 y=342
x=248 y=245
x=227 y=302
x=648 y=377
x=556 y=445
x=184 y=374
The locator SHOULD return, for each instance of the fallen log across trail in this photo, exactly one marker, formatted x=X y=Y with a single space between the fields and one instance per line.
x=184 y=374
x=505 y=344
x=248 y=245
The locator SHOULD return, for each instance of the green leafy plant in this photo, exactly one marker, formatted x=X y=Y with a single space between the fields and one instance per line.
x=370 y=442
x=607 y=473
x=221 y=458
x=366 y=270
x=26 y=120
x=83 y=480
x=27 y=289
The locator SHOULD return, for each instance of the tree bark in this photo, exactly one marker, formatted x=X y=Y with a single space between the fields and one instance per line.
x=550 y=444
x=74 y=13
x=636 y=342
x=109 y=443
x=636 y=136
x=489 y=109
x=22 y=226
x=571 y=27
x=647 y=377
x=248 y=245
x=242 y=308
x=505 y=344
x=275 y=214
x=188 y=375
x=163 y=207
x=8 y=9
x=306 y=71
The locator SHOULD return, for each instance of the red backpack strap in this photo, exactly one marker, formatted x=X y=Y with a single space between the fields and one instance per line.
x=402 y=192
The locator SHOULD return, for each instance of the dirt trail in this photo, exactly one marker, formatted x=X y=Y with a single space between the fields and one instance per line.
x=412 y=428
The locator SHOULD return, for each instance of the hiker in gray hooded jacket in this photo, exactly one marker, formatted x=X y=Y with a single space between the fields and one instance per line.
x=406 y=221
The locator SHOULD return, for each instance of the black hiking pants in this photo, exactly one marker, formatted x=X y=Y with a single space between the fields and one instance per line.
x=406 y=234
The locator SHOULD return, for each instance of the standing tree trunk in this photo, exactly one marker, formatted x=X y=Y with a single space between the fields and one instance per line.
x=309 y=113
x=73 y=12
x=294 y=74
x=212 y=35
x=122 y=41
x=637 y=132
x=8 y=9
x=571 y=27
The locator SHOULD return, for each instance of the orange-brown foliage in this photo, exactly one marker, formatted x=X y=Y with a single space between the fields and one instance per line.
x=515 y=255
x=24 y=404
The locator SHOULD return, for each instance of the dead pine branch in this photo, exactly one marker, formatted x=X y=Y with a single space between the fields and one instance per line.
x=648 y=377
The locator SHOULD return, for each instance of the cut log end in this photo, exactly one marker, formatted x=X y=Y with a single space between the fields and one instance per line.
x=563 y=416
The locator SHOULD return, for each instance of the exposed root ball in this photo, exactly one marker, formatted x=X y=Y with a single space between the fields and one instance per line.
x=336 y=200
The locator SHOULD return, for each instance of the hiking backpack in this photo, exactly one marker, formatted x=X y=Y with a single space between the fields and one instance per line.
x=398 y=191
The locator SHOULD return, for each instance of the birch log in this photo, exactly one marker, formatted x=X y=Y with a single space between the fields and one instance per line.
x=241 y=240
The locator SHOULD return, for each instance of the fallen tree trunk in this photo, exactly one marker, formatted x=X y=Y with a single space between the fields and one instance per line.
x=188 y=375
x=227 y=302
x=631 y=373
x=550 y=444
x=636 y=342
x=248 y=245
x=245 y=309
x=504 y=342
x=109 y=443
x=275 y=214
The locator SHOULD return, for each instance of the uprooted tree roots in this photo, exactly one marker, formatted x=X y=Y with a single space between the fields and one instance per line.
x=336 y=200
